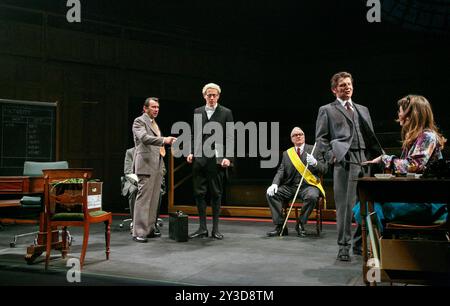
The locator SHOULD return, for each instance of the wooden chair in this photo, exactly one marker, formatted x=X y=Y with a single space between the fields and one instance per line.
x=317 y=210
x=60 y=193
x=298 y=205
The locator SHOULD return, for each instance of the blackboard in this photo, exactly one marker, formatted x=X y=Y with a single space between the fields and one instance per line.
x=27 y=133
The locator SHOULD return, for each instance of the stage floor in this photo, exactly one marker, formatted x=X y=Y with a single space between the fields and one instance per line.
x=245 y=257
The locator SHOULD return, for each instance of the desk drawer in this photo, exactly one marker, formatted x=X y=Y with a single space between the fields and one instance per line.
x=13 y=185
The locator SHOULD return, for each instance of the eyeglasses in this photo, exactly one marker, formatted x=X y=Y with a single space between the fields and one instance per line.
x=298 y=134
x=212 y=95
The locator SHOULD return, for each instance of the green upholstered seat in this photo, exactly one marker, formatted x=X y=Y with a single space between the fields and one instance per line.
x=76 y=216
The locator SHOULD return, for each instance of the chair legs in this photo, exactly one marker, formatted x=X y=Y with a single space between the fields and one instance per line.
x=49 y=246
x=318 y=212
x=65 y=242
x=318 y=221
x=14 y=242
x=108 y=236
x=126 y=220
x=85 y=244
x=86 y=239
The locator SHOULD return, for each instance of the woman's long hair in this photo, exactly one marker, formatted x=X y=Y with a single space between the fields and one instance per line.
x=417 y=117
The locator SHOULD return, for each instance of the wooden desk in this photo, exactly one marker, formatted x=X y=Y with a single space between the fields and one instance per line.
x=26 y=185
x=398 y=189
x=22 y=185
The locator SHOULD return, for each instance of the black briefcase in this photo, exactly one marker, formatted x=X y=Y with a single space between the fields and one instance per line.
x=178 y=226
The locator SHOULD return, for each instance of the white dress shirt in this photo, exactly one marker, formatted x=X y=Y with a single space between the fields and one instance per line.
x=210 y=110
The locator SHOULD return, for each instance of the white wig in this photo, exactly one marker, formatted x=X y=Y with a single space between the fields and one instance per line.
x=211 y=85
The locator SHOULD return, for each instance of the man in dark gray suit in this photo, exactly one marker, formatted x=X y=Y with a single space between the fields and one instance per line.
x=148 y=165
x=285 y=184
x=345 y=135
x=209 y=172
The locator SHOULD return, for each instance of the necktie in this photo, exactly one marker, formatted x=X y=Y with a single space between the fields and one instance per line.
x=349 y=109
x=155 y=127
x=162 y=150
x=298 y=152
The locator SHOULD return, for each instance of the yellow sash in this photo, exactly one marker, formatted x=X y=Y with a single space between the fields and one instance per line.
x=310 y=178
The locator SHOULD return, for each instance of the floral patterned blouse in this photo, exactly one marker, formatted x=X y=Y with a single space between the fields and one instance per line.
x=426 y=148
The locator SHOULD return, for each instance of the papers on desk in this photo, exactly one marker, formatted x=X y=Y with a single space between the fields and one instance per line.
x=413 y=175
x=388 y=176
x=383 y=175
x=132 y=177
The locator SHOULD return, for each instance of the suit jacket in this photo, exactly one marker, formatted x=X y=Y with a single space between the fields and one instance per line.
x=147 y=143
x=128 y=162
x=287 y=174
x=128 y=185
x=221 y=115
x=334 y=131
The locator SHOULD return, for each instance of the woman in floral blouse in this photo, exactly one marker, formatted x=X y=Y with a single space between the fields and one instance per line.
x=422 y=144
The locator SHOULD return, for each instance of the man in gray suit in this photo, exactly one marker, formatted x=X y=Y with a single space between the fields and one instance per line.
x=148 y=165
x=285 y=183
x=345 y=135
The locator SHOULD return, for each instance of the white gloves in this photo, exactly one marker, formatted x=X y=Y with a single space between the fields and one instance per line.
x=311 y=160
x=272 y=189
x=133 y=177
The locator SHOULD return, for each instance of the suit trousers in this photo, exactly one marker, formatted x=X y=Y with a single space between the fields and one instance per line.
x=132 y=200
x=208 y=178
x=146 y=205
x=345 y=196
x=308 y=194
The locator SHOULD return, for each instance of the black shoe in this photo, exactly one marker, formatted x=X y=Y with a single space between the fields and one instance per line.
x=300 y=228
x=216 y=235
x=154 y=234
x=140 y=239
x=199 y=234
x=357 y=251
x=277 y=231
x=343 y=255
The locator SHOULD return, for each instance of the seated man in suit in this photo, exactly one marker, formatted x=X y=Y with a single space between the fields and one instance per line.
x=287 y=179
x=129 y=187
x=129 y=181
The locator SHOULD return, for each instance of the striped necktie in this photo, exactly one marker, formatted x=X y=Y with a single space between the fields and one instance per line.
x=348 y=107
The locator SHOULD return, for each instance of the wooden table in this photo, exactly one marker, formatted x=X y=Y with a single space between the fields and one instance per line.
x=398 y=189
x=26 y=185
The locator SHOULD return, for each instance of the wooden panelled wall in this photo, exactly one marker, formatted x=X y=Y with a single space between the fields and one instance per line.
x=93 y=75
